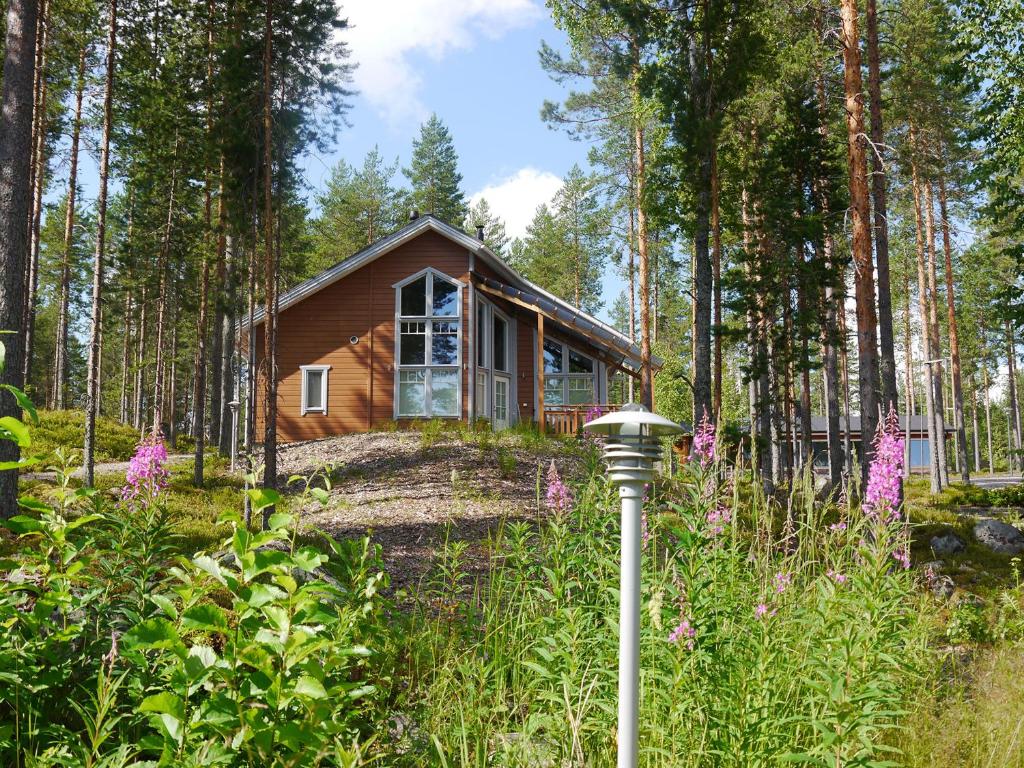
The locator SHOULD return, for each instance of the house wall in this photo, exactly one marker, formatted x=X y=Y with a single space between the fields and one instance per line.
x=316 y=331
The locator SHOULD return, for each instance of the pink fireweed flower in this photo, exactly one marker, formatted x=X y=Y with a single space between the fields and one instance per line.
x=840 y=526
x=645 y=531
x=704 y=442
x=683 y=632
x=782 y=581
x=836 y=576
x=558 y=497
x=146 y=476
x=902 y=556
x=763 y=612
x=885 y=475
x=717 y=519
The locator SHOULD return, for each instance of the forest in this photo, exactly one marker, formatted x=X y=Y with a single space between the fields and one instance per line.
x=815 y=208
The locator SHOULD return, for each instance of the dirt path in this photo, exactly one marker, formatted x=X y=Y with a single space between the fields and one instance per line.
x=106 y=468
x=411 y=496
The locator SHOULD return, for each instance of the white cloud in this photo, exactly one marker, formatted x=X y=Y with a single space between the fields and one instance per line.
x=384 y=34
x=515 y=198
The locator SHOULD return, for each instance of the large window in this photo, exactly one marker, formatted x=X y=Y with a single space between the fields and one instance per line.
x=429 y=344
x=314 y=388
x=568 y=375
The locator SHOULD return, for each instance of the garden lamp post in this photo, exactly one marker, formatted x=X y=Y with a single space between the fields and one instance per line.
x=631 y=447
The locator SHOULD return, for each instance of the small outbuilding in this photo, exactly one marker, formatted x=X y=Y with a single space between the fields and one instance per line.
x=429 y=323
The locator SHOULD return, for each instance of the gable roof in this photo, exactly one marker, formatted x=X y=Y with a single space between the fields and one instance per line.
x=541 y=300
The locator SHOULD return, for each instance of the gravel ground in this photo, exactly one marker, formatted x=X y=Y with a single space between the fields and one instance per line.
x=409 y=495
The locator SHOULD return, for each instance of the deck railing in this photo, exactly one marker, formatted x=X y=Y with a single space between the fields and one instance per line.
x=569 y=419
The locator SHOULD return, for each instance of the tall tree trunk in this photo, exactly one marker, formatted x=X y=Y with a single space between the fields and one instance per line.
x=126 y=354
x=161 y=303
x=934 y=435
x=830 y=336
x=1014 y=427
x=933 y=330
x=887 y=347
x=92 y=396
x=202 y=331
x=38 y=185
x=172 y=400
x=138 y=409
x=954 y=339
x=15 y=150
x=844 y=371
x=860 y=210
x=643 y=240
x=61 y=347
x=269 y=273
x=908 y=373
x=753 y=385
x=988 y=419
x=716 y=269
x=632 y=280
x=976 y=433
x=226 y=360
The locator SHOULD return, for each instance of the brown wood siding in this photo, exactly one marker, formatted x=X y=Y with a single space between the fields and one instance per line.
x=361 y=381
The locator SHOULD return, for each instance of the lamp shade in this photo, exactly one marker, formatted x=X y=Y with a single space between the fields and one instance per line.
x=630 y=419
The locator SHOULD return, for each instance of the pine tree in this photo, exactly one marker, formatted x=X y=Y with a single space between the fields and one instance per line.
x=434 y=174
x=359 y=207
x=480 y=215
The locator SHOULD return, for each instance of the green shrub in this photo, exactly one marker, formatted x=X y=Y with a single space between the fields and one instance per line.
x=66 y=429
x=967 y=624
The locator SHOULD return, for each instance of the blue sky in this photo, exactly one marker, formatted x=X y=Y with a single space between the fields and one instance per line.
x=474 y=63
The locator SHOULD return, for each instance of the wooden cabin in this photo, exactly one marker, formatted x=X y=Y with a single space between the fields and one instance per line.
x=429 y=323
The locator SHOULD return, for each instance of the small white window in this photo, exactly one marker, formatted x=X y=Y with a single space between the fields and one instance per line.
x=314 y=388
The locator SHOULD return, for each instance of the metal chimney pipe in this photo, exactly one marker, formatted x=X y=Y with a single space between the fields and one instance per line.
x=480 y=232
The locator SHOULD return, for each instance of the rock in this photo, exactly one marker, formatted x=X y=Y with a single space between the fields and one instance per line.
x=942 y=587
x=947 y=544
x=999 y=537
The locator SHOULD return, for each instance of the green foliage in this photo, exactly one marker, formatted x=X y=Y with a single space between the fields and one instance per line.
x=254 y=655
x=480 y=215
x=358 y=207
x=525 y=674
x=434 y=174
x=567 y=244
x=57 y=429
x=967 y=623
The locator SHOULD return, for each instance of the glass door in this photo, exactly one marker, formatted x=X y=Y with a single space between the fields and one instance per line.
x=502 y=385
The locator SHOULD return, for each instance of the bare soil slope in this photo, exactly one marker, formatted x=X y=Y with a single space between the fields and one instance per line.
x=411 y=493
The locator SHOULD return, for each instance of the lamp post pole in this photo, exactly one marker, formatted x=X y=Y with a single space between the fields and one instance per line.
x=630 y=449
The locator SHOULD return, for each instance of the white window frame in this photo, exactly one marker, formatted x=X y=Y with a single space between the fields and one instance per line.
x=427 y=366
x=323 y=370
x=565 y=376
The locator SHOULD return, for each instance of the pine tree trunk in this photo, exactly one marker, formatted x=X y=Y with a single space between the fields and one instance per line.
x=61 y=347
x=716 y=269
x=976 y=434
x=954 y=339
x=753 y=385
x=988 y=420
x=844 y=371
x=933 y=330
x=125 y=354
x=138 y=415
x=227 y=345
x=161 y=302
x=38 y=185
x=860 y=211
x=908 y=373
x=1014 y=427
x=632 y=286
x=15 y=147
x=934 y=435
x=92 y=396
x=269 y=275
x=643 y=248
x=172 y=400
x=830 y=335
x=887 y=347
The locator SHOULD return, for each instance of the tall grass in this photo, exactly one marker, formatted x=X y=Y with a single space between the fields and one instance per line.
x=798 y=645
